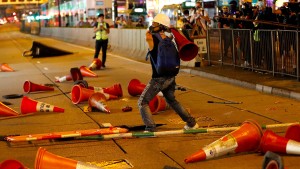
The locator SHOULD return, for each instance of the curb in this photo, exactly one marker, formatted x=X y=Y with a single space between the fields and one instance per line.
x=257 y=87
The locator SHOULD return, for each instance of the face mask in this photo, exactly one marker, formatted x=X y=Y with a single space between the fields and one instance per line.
x=168 y=34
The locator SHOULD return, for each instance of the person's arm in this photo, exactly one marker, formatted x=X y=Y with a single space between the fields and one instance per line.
x=96 y=27
x=107 y=28
x=149 y=40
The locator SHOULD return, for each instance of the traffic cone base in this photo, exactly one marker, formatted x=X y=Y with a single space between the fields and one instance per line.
x=12 y=164
x=158 y=104
x=293 y=132
x=135 y=87
x=80 y=94
x=76 y=74
x=32 y=87
x=278 y=144
x=245 y=138
x=7 y=111
x=31 y=106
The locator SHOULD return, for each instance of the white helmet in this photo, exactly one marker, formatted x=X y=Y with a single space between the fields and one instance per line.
x=162 y=19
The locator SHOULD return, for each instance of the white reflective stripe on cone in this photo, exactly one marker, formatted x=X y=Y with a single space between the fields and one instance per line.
x=219 y=147
x=293 y=147
x=43 y=107
x=98 y=89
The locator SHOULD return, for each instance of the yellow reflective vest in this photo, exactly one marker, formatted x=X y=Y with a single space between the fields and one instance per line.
x=102 y=34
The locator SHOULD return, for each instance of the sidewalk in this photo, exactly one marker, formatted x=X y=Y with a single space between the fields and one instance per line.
x=263 y=82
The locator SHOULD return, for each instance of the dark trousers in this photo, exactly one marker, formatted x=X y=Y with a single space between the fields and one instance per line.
x=101 y=44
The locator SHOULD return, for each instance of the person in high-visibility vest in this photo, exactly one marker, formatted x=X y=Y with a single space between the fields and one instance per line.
x=101 y=29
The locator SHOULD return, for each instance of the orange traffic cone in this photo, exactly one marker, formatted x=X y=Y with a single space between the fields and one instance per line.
x=245 y=138
x=293 y=132
x=63 y=78
x=97 y=100
x=32 y=87
x=96 y=64
x=80 y=94
x=87 y=72
x=135 y=87
x=115 y=90
x=12 y=164
x=4 y=67
x=109 y=96
x=46 y=160
x=31 y=106
x=278 y=144
x=158 y=104
x=6 y=111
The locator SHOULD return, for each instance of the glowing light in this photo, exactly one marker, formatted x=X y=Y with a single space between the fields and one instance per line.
x=138 y=10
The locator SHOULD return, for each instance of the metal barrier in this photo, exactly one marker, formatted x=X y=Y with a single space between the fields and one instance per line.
x=272 y=51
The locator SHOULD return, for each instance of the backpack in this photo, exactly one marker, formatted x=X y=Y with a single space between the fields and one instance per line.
x=168 y=61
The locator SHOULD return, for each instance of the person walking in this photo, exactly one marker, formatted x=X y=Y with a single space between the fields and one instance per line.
x=101 y=29
x=163 y=83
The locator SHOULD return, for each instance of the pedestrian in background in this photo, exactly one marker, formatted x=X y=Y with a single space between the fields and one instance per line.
x=163 y=83
x=101 y=29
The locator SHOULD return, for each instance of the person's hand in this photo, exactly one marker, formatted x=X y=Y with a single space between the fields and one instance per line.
x=149 y=40
x=149 y=36
x=101 y=28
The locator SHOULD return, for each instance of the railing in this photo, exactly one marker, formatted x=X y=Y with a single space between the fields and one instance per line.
x=272 y=51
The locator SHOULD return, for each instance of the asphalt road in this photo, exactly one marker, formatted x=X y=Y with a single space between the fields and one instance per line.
x=168 y=151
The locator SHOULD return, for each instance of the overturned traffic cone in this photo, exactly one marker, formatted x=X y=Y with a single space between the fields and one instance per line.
x=6 y=111
x=293 y=132
x=158 y=104
x=278 y=144
x=86 y=72
x=135 y=87
x=12 y=164
x=80 y=94
x=246 y=138
x=63 y=78
x=46 y=160
x=4 y=67
x=109 y=96
x=115 y=90
x=95 y=65
x=31 y=106
x=32 y=87
x=97 y=100
x=76 y=74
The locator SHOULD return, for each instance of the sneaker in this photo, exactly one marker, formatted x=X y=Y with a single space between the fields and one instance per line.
x=186 y=127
